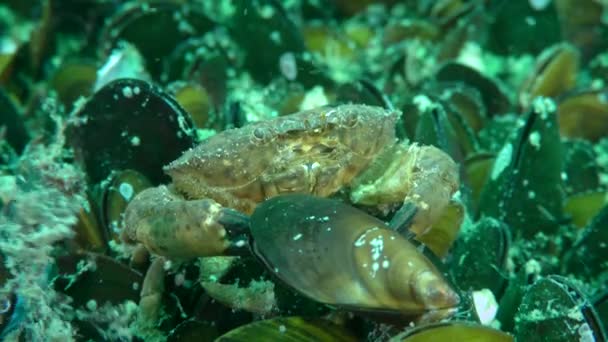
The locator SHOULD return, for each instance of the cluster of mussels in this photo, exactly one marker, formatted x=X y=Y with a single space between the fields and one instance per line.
x=306 y=170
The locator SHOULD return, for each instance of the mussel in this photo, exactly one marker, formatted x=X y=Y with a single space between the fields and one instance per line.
x=340 y=256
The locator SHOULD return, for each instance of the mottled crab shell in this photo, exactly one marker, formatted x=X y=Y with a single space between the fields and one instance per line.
x=315 y=151
x=338 y=255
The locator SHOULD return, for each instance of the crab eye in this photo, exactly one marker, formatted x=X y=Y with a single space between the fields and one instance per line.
x=262 y=135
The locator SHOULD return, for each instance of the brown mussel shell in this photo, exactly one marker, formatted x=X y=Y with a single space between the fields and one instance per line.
x=338 y=255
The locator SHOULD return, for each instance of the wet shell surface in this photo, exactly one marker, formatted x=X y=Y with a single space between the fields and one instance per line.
x=338 y=255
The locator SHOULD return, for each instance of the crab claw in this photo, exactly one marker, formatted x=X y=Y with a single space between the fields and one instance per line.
x=168 y=225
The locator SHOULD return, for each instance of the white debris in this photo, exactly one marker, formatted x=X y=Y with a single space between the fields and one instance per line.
x=485 y=305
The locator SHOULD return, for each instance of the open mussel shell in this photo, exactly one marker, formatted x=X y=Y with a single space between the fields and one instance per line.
x=453 y=331
x=587 y=258
x=492 y=94
x=155 y=28
x=478 y=258
x=338 y=255
x=553 y=309
x=525 y=185
x=293 y=329
x=130 y=124
x=584 y=114
x=557 y=68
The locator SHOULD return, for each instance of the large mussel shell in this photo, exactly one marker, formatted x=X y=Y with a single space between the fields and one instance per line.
x=291 y=329
x=492 y=93
x=524 y=189
x=338 y=255
x=552 y=309
x=479 y=256
x=453 y=331
x=587 y=258
x=130 y=124
x=155 y=28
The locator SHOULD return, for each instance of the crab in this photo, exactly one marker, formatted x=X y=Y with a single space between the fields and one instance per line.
x=347 y=149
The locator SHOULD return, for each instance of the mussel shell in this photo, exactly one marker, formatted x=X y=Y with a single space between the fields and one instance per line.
x=251 y=25
x=290 y=329
x=584 y=114
x=553 y=309
x=108 y=281
x=477 y=169
x=119 y=192
x=587 y=258
x=91 y=235
x=155 y=28
x=195 y=100
x=479 y=256
x=444 y=231
x=494 y=97
x=317 y=246
x=525 y=185
x=557 y=68
x=453 y=331
x=130 y=124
